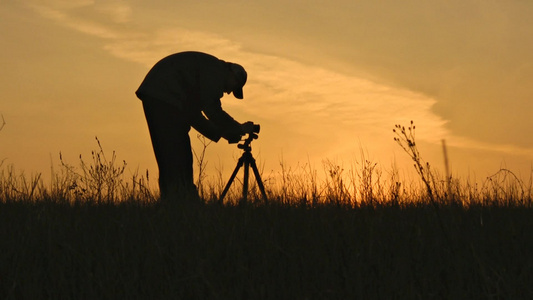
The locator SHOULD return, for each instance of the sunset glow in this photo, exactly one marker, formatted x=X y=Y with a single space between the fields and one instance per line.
x=325 y=79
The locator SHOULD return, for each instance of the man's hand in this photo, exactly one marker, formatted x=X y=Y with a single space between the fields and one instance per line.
x=235 y=136
x=234 y=139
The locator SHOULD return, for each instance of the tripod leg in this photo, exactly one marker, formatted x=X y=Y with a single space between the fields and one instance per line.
x=259 y=181
x=228 y=185
x=245 y=180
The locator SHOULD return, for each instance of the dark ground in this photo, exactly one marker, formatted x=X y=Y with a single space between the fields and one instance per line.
x=133 y=251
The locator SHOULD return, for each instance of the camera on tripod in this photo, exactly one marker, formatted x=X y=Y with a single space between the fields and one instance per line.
x=256 y=128
x=251 y=136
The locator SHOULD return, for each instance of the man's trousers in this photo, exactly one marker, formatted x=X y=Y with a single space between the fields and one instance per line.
x=169 y=131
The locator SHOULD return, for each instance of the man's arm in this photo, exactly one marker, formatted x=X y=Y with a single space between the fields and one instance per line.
x=205 y=127
x=228 y=127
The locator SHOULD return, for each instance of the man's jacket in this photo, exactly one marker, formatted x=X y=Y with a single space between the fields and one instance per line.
x=194 y=83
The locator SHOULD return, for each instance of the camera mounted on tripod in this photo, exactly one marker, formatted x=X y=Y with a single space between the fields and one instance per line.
x=251 y=136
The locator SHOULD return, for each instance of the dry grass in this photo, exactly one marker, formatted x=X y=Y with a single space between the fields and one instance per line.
x=360 y=233
x=101 y=180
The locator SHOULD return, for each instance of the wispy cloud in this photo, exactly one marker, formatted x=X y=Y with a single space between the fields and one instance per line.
x=148 y=47
x=59 y=12
x=117 y=11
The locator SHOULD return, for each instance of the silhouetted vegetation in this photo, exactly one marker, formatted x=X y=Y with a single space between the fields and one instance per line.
x=93 y=233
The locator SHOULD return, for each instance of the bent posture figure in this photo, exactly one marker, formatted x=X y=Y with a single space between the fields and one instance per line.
x=184 y=90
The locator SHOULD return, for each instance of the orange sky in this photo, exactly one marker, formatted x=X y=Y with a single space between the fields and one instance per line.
x=326 y=78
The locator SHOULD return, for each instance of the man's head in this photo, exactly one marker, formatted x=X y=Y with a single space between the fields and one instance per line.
x=236 y=80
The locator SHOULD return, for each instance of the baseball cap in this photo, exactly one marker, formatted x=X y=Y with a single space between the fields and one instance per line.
x=241 y=76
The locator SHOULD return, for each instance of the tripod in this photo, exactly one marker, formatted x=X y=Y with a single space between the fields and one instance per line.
x=247 y=160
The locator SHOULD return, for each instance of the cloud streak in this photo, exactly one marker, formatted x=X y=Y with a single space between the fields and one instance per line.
x=60 y=14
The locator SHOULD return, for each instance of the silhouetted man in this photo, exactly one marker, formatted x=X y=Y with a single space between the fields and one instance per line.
x=184 y=90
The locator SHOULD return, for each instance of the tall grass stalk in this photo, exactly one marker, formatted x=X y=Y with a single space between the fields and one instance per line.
x=406 y=140
x=201 y=164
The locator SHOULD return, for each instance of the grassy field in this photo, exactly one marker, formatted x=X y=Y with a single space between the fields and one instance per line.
x=91 y=233
x=135 y=251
